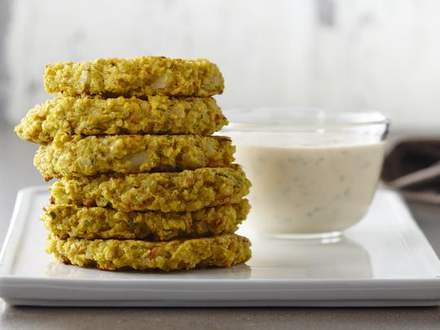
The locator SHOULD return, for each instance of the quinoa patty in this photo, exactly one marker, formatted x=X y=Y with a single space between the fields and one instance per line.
x=165 y=192
x=140 y=77
x=127 y=154
x=219 y=251
x=65 y=221
x=114 y=116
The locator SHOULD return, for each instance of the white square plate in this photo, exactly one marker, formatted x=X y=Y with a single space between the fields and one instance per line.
x=385 y=260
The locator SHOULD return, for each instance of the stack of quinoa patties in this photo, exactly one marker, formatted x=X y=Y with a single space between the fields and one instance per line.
x=142 y=183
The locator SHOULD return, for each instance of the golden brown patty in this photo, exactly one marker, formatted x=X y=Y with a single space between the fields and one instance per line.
x=140 y=77
x=66 y=221
x=114 y=116
x=165 y=192
x=219 y=251
x=131 y=154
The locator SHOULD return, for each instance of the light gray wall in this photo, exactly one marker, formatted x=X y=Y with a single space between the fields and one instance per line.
x=4 y=79
x=337 y=54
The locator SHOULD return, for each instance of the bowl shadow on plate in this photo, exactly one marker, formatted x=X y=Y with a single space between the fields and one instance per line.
x=341 y=258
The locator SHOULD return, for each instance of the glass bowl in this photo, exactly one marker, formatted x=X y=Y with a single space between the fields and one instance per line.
x=313 y=173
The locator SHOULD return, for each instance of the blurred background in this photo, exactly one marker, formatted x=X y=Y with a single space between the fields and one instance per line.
x=342 y=55
x=336 y=54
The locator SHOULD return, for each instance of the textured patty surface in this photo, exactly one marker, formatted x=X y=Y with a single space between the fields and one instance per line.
x=141 y=77
x=131 y=154
x=65 y=221
x=114 y=116
x=218 y=251
x=165 y=192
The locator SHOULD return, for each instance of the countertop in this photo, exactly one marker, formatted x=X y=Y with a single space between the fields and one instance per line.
x=17 y=171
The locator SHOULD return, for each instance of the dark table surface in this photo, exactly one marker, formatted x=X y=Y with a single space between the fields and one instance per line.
x=17 y=171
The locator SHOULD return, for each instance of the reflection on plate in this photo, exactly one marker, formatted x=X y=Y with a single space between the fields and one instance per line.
x=313 y=259
x=59 y=270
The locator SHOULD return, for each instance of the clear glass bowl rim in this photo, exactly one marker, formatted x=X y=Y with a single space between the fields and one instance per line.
x=310 y=119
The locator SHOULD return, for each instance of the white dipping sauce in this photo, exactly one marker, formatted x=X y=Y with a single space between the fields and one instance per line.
x=311 y=189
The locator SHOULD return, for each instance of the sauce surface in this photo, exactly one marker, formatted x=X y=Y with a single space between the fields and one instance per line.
x=311 y=189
